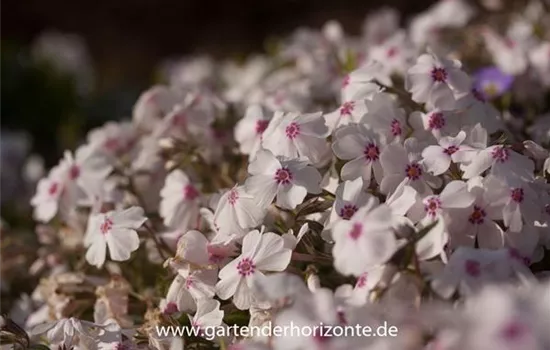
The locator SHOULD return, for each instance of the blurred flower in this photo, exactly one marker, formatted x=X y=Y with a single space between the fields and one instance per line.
x=491 y=82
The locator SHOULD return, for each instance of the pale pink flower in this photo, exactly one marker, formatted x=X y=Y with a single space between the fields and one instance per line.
x=364 y=241
x=437 y=81
x=437 y=159
x=261 y=252
x=237 y=211
x=180 y=201
x=348 y=112
x=115 y=230
x=402 y=163
x=362 y=147
x=290 y=180
x=249 y=130
x=385 y=117
x=296 y=135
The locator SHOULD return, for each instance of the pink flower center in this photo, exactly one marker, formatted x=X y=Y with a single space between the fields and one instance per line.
x=432 y=205
x=347 y=211
x=361 y=281
x=233 y=197
x=214 y=258
x=106 y=226
x=500 y=154
x=451 y=150
x=436 y=121
x=283 y=176
x=342 y=317
x=517 y=195
x=279 y=98
x=74 y=172
x=356 y=231
x=345 y=81
x=513 y=331
x=396 y=127
x=515 y=254
x=171 y=308
x=413 y=171
x=320 y=336
x=261 y=125
x=477 y=216
x=372 y=152
x=189 y=282
x=52 y=190
x=111 y=144
x=472 y=268
x=120 y=346
x=190 y=192
x=347 y=108
x=439 y=74
x=391 y=52
x=246 y=267
x=179 y=119
x=509 y=43
x=292 y=130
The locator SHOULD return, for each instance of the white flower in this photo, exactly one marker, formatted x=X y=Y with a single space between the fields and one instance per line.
x=452 y=13
x=261 y=252
x=358 y=295
x=296 y=135
x=179 y=206
x=113 y=138
x=438 y=208
x=478 y=219
x=362 y=83
x=507 y=318
x=318 y=311
x=505 y=164
x=396 y=53
x=350 y=196
x=236 y=212
x=478 y=110
x=208 y=315
x=249 y=130
x=469 y=269
x=539 y=57
x=348 y=112
x=437 y=159
x=520 y=202
x=66 y=183
x=439 y=82
x=438 y=123
x=186 y=291
x=290 y=180
x=508 y=54
x=385 y=117
x=189 y=119
x=115 y=230
x=362 y=147
x=364 y=241
x=380 y=24
x=66 y=331
x=49 y=193
x=403 y=164
x=153 y=105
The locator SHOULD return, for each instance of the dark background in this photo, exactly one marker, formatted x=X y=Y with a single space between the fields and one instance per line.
x=128 y=38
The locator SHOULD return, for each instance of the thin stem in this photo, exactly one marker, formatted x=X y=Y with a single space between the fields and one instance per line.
x=159 y=243
x=310 y=258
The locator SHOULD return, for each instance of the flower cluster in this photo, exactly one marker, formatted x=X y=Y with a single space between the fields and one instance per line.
x=341 y=180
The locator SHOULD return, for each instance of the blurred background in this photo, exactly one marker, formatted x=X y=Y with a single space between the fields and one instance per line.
x=110 y=51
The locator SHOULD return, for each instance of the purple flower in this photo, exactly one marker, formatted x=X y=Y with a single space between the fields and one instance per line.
x=491 y=82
